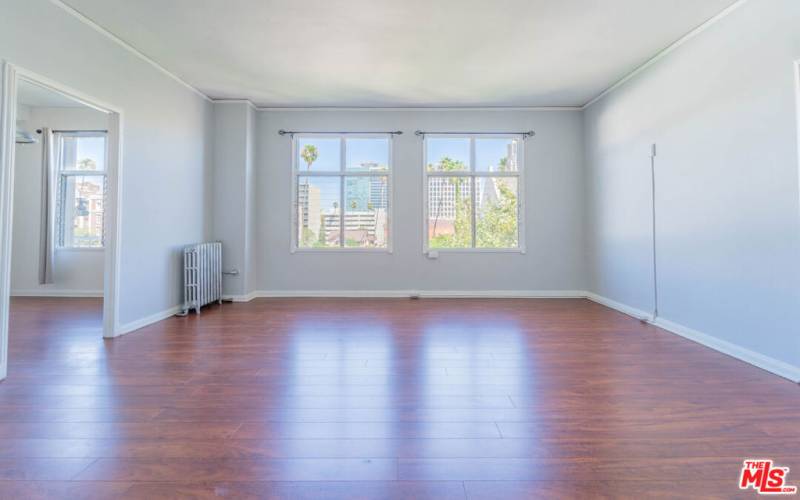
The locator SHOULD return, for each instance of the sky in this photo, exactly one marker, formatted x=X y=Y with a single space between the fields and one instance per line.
x=93 y=148
x=372 y=150
x=488 y=152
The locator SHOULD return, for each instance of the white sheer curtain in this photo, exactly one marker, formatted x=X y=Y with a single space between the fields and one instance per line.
x=47 y=226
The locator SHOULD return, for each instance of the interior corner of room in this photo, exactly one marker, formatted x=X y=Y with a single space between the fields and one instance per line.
x=598 y=208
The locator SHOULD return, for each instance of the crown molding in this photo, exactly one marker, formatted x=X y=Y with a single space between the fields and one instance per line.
x=236 y=101
x=418 y=108
x=122 y=43
x=666 y=51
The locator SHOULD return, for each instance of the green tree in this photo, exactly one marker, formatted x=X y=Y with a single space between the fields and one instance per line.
x=503 y=164
x=497 y=225
x=87 y=164
x=309 y=154
x=447 y=164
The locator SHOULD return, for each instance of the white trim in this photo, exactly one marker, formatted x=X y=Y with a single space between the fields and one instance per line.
x=113 y=219
x=418 y=108
x=8 y=109
x=60 y=200
x=114 y=194
x=147 y=321
x=248 y=102
x=247 y=297
x=341 y=174
x=122 y=43
x=45 y=292
x=452 y=294
x=758 y=360
x=471 y=173
x=619 y=306
x=79 y=249
x=767 y=363
x=666 y=51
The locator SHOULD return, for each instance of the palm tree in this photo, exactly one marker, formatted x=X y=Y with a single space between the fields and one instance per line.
x=309 y=154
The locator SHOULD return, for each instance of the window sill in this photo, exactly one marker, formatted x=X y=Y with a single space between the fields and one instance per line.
x=80 y=249
x=341 y=250
x=426 y=251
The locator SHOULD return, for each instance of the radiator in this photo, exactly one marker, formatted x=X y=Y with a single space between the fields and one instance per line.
x=202 y=275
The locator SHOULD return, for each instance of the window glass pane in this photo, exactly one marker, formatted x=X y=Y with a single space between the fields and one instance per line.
x=315 y=154
x=365 y=212
x=318 y=212
x=449 y=212
x=368 y=154
x=83 y=202
x=496 y=155
x=83 y=153
x=444 y=154
x=496 y=224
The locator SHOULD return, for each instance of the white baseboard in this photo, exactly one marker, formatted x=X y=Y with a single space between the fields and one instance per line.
x=54 y=292
x=241 y=298
x=619 y=306
x=149 y=320
x=487 y=294
x=767 y=363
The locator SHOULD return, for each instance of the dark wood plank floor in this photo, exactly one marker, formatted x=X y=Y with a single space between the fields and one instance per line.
x=384 y=398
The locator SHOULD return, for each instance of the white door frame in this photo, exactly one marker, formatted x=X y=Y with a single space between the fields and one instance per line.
x=10 y=75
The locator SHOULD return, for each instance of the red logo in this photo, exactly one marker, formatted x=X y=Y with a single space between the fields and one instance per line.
x=765 y=477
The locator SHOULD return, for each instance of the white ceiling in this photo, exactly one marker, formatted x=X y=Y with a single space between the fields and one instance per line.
x=401 y=52
x=30 y=94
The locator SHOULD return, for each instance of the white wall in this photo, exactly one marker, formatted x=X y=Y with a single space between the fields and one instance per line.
x=232 y=218
x=76 y=271
x=166 y=144
x=722 y=109
x=553 y=198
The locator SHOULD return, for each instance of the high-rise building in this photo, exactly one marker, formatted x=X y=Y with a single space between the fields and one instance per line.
x=308 y=212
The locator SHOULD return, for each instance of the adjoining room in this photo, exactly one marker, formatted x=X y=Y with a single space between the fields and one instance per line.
x=59 y=190
x=372 y=249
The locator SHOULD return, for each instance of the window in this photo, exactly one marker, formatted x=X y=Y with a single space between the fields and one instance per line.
x=81 y=191
x=473 y=192
x=342 y=191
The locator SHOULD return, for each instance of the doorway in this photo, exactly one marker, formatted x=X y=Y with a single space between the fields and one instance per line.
x=59 y=186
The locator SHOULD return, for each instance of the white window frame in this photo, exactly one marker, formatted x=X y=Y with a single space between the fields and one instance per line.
x=471 y=173
x=60 y=200
x=342 y=173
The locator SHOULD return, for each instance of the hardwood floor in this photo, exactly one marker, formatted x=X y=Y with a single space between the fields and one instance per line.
x=383 y=398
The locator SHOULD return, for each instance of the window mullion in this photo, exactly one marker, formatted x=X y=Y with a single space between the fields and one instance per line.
x=473 y=186
x=342 y=182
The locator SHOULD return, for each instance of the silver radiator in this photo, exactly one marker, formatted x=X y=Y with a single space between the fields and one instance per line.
x=202 y=275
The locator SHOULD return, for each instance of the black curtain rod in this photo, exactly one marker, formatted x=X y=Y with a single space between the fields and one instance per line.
x=525 y=135
x=292 y=132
